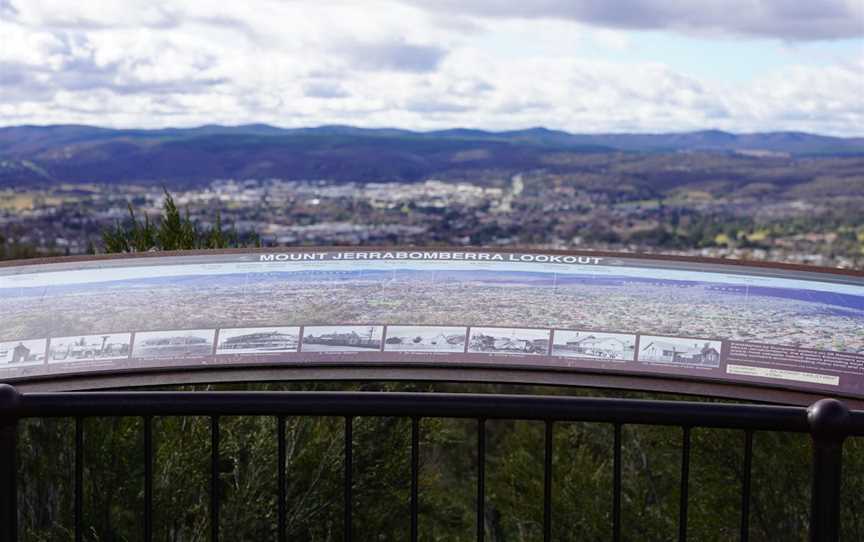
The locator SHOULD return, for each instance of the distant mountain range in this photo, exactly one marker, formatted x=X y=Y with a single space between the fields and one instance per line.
x=34 y=155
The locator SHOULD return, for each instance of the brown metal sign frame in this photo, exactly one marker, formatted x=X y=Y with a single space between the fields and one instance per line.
x=494 y=371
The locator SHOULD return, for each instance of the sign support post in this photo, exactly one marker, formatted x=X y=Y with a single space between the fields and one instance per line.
x=9 y=402
x=828 y=420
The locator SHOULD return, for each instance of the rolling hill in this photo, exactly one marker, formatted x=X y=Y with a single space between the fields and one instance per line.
x=33 y=155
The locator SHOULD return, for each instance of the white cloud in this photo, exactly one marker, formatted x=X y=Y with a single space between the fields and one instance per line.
x=95 y=13
x=613 y=39
x=385 y=64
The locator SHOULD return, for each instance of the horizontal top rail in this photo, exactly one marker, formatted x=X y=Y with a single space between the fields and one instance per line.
x=488 y=406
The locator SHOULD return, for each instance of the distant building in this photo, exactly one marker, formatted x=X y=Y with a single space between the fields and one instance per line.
x=176 y=341
x=439 y=339
x=598 y=347
x=20 y=354
x=541 y=345
x=507 y=344
x=675 y=353
x=350 y=338
x=82 y=349
x=178 y=345
x=708 y=355
x=262 y=341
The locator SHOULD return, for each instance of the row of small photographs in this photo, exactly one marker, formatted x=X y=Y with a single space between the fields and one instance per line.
x=597 y=345
x=605 y=346
x=147 y=344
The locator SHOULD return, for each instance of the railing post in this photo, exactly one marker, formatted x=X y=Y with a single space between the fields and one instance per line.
x=828 y=420
x=9 y=402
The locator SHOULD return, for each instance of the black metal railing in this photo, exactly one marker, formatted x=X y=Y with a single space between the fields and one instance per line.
x=828 y=422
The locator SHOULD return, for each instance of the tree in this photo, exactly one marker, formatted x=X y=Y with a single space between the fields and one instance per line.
x=171 y=231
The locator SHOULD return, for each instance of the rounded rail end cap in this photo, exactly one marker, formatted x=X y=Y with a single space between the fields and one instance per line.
x=10 y=399
x=828 y=419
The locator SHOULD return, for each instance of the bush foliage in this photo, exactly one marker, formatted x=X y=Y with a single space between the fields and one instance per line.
x=171 y=231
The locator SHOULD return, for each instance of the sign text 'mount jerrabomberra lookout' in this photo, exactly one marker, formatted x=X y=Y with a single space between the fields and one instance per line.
x=757 y=329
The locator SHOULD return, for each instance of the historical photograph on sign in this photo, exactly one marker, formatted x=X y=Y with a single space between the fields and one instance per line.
x=90 y=347
x=594 y=345
x=186 y=343
x=678 y=351
x=504 y=340
x=258 y=340
x=17 y=353
x=342 y=338
x=425 y=339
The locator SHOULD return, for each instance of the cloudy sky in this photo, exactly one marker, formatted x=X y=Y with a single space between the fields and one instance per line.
x=577 y=65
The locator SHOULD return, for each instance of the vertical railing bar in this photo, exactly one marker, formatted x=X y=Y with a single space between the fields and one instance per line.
x=148 y=478
x=8 y=463
x=547 y=484
x=829 y=420
x=685 y=485
x=79 y=477
x=481 y=479
x=280 y=428
x=415 y=477
x=348 y=476
x=616 y=485
x=214 y=478
x=745 y=485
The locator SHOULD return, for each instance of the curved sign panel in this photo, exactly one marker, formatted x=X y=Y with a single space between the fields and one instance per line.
x=752 y=326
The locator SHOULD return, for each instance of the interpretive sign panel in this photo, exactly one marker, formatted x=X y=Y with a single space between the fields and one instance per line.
x=750 y=325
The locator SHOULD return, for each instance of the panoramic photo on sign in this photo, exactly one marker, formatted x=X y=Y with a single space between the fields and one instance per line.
x=711 y=322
